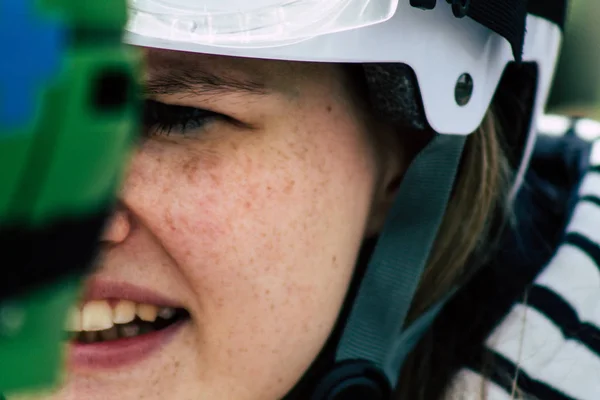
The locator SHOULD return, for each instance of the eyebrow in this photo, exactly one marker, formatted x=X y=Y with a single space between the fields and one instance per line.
x=200 y=82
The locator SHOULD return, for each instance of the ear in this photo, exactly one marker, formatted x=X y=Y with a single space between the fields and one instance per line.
x=395 y=150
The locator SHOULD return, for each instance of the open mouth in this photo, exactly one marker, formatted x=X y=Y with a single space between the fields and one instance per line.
x=111 y=320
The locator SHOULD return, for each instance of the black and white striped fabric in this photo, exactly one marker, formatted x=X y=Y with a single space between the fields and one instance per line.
x=549 y=343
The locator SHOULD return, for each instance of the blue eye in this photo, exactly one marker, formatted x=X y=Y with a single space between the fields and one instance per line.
x=165 y=119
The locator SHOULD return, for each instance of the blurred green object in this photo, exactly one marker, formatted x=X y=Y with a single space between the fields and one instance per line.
x=64 y=161
x=577 y=84
x=32 y=336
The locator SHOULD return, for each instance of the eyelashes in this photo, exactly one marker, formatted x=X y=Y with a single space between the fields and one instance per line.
x=166 y=119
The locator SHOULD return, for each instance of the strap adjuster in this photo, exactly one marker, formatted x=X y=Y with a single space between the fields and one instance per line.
x=353 y=380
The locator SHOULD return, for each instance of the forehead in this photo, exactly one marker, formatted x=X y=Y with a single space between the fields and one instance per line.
x=288 y=77
x=160 y=60
x=269 y=73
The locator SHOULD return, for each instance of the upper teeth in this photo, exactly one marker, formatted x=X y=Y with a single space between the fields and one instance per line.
x=98 y=315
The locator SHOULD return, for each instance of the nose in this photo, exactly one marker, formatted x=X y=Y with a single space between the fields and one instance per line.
x=118 y=226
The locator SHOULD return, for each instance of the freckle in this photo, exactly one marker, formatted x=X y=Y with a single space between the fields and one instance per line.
x=190 y=167
x=214 y=178
x=169 y=221
x=289 y=187
x=305 y=327
x=220 y=302
x=267 y=292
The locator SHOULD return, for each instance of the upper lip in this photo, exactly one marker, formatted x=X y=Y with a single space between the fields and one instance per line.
x=98 y=289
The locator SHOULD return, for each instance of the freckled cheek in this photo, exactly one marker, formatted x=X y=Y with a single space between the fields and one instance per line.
x=206 y=225
x=261 y=211
x=266 y=239
x=171 y=191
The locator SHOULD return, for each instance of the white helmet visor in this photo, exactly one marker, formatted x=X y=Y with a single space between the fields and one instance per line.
x=255 y=23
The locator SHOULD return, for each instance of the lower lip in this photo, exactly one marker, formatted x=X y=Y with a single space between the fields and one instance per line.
x=121 y=352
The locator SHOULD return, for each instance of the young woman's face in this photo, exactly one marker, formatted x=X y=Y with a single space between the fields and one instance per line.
x=250 y=217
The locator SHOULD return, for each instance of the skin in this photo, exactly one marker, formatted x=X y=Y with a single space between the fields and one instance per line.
x=254 y=228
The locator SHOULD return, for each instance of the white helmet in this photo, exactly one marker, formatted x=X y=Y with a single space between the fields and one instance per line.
x=458 y=51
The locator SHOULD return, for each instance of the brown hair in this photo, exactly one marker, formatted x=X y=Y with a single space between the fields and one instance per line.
x=463 y=240
x=476 y=214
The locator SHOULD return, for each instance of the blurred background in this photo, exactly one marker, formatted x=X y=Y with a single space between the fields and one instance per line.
x=576 y=90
